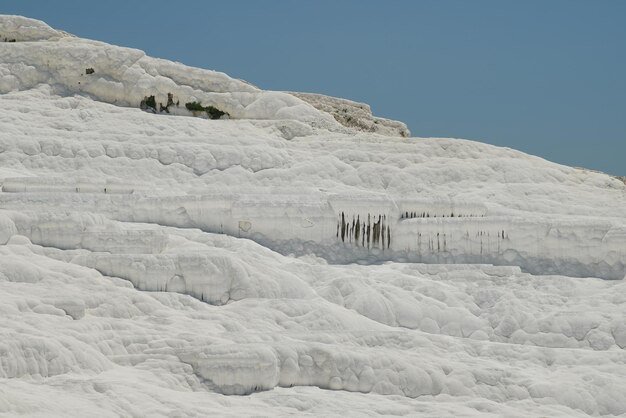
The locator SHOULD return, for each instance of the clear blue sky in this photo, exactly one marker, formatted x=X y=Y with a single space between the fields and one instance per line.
x=547 y=77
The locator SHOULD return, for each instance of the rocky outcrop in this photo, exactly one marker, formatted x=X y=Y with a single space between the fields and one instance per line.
x=354 y=115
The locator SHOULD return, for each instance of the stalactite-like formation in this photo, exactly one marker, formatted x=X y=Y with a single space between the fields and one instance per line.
x=415 y=214
x=363 y=235
x=352 y=229
x=376 y=232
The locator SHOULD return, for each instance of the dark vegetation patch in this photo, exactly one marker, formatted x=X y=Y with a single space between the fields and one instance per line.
x=213 y=112
x=170 y=102
x=149 y=104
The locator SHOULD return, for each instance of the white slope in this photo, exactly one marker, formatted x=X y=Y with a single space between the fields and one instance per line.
x=278 y=262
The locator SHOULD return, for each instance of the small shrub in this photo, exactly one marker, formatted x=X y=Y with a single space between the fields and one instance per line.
x=213 y=112
x=148 y=102
x=194 y=107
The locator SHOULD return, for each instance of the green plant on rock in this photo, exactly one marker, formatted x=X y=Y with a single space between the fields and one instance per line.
x=213 y=112
x=147 y=103
x=194 y=107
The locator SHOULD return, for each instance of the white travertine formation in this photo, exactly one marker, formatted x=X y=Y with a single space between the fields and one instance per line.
x=152 y=262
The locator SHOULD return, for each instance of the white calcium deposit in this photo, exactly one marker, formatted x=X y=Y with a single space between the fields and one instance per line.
x=282 y=260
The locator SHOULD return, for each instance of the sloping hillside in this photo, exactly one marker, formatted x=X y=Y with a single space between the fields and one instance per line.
x=156 y=260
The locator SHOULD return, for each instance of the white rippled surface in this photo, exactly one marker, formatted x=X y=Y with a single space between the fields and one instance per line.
x=277 y=263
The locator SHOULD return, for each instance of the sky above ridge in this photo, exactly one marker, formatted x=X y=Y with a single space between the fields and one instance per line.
x=544 y=77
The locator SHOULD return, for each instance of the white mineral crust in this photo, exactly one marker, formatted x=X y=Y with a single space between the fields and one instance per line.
x=281 y=260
